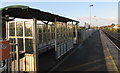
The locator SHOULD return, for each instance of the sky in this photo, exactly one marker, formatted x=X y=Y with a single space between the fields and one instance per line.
x=102 y=13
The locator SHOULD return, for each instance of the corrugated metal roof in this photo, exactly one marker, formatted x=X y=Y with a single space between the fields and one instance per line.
x=20 y=11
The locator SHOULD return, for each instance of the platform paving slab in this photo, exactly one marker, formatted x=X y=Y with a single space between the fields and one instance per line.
x=87 y=57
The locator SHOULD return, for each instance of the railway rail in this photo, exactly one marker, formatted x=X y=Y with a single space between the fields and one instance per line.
x=114 y=37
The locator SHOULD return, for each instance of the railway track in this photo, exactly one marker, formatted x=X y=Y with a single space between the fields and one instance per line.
x=114 y=37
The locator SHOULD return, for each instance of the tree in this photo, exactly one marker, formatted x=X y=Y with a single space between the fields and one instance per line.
x=112 y=24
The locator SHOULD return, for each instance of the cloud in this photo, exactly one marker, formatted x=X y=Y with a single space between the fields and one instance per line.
x=98 y=21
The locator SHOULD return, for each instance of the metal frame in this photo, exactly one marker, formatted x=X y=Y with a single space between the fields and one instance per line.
x=24 y=37
x=32 y=42
x=60 y=32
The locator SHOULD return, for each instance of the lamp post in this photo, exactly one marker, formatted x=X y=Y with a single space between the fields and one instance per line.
x=95 y=21
x=90 y=13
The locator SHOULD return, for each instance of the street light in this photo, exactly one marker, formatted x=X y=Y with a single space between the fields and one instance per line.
x=90 y=13
x=95 y=21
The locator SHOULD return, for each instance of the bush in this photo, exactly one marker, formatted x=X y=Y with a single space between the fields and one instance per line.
x=119 y=30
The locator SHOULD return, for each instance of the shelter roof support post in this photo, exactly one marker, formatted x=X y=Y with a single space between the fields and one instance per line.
x=76 y=32
x=8 y=61
x=17 y=50
x=47 y=34
x=35 y=49
x=66 y=35
x=67 y=32
x=72 y=34
x=56 y=38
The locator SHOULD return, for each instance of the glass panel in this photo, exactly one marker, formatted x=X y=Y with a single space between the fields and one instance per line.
x=58 y=28
x=12 y=29
x=19 y=28
x=49 y=28
x=47 y=38
x=44 y=28
x=12 y=47
x=20 y=44
x=44 y=39
x=74 y=31
x=28 y=29
x=12 y=40
x=40 y=28
x=29 y=46
x=53 y=32
x=40 y=35
x=52 y=29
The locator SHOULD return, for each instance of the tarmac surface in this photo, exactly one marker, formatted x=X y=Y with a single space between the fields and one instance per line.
x=87 y=57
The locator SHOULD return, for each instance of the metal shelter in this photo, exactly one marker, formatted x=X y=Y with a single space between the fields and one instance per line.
x=28 y=38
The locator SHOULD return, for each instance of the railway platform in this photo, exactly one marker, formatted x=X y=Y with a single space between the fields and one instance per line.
x=48 y=60
x=44 y=42
x=114 y=51
x=89 y=56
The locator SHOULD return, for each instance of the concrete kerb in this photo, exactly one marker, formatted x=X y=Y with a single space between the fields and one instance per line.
x=111 y=65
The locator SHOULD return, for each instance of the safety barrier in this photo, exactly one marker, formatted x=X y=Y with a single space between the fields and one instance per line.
x=83 y=35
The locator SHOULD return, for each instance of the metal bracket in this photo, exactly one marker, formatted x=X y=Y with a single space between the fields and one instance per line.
x=45 y=22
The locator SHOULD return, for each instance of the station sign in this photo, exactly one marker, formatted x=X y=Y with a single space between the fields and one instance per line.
x=4 y=50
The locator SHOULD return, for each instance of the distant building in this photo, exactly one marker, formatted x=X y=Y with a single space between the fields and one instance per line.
x=119 y=12
x=117 y=26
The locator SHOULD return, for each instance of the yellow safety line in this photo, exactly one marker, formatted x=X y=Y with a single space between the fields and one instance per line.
x=113 y=62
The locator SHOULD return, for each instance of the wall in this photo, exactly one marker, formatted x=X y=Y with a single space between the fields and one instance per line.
x=84 y=34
